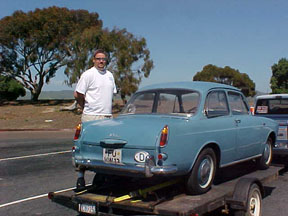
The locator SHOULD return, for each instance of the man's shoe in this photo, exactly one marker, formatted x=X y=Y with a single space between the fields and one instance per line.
x=80 y=185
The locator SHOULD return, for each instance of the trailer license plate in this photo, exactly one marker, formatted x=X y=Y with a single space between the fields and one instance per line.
x=112 y=156
x=87 y=208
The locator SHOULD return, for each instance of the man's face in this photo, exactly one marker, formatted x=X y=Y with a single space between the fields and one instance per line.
x=100 y=61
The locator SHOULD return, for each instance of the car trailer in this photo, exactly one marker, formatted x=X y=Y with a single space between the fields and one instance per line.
x=238 y=196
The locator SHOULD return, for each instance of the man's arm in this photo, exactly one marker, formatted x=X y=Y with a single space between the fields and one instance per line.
x=80 y=98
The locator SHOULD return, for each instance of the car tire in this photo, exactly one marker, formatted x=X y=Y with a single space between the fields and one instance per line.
x=203 y=172
x=254 y=203
x=265 y=160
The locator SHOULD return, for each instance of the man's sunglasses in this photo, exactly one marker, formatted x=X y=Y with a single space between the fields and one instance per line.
x=99 y=59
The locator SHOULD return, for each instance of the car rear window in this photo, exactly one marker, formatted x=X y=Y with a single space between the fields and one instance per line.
x=271 y=106
x=163 y=102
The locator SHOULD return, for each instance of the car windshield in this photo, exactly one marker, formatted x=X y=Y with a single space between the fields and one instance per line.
x=272 y=106
x=163 y=102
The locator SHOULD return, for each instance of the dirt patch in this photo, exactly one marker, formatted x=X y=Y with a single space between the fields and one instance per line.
x=46 y=114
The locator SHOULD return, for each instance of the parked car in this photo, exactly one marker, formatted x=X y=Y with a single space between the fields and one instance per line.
x=184 y=129
x=275 y=107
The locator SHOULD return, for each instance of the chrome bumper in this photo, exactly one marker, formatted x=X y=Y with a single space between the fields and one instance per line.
x=281 y=148
x=148 y=169
x=280 y=151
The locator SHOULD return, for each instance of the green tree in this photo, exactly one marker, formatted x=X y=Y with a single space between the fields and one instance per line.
x=33 y=45
x=130 y=61
x=10 y=89
x=129 y=57
x=279 y=79
x=227 y=75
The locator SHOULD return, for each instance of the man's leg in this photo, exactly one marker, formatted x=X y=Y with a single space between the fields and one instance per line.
x=80 y=185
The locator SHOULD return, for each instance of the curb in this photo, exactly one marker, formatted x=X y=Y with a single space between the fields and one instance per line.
x=35 y=129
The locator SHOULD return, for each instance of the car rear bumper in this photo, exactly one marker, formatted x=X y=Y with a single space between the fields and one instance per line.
x=281 y=147
x=280 y=151
x=148 y=169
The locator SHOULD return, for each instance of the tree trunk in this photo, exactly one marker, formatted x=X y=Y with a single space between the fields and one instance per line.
x=35 y=96
x=36 y=91
x=123 y=97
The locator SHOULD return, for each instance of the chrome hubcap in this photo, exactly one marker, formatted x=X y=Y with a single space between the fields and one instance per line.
x=205 y=172
x=254 y=205
x=267 y=153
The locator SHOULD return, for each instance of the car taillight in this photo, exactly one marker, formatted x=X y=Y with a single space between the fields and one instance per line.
x=77 y=132
x=164 y=136
x=252 y=110
x=162 y=156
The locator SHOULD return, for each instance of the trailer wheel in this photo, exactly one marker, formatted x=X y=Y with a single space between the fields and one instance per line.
x=265 y=160
x=254 y=203
x=203 y=173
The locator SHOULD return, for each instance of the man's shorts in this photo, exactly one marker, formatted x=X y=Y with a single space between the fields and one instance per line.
x=86 y=117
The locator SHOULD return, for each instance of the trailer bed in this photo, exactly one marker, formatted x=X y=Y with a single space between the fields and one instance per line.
x=169 y=201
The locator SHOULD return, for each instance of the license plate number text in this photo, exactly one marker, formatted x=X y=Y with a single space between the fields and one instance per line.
x=113 y=156
x=87 y=208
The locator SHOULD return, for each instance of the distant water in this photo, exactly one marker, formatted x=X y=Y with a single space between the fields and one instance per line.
x=47 y=95
x=52 y=95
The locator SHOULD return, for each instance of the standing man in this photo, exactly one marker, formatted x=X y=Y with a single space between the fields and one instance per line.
x=94 y=93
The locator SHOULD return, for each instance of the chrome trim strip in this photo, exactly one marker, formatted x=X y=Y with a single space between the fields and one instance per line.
x=240 y=161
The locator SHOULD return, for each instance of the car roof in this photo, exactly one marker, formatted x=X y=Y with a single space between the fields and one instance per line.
x=272 y=96
x=193 y=85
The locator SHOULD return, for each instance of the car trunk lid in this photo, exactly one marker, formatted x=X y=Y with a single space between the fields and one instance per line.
x=127 y=131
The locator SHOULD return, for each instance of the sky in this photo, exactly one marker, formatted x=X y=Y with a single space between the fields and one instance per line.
x=185 y=35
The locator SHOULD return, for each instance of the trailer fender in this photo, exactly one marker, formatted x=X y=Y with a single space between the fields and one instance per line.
x=241 y=192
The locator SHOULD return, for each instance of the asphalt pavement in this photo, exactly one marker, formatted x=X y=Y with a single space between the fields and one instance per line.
x=33 y=163
x=276 y=198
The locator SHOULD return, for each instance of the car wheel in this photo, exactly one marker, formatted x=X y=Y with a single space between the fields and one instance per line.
x=265 y=160
x=203 y=173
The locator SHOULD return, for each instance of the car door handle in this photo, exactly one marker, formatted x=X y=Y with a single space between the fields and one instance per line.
x=237 y=121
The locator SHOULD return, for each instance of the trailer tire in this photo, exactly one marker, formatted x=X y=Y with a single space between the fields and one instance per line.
x=203 y=173
x=265 y=160
x=254 y=203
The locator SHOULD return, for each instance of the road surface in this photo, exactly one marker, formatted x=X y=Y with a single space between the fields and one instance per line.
x=33 y=163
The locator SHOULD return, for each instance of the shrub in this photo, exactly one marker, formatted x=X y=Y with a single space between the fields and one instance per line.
x=10 y=88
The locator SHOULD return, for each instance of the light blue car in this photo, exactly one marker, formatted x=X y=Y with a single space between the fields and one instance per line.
x=187 y=129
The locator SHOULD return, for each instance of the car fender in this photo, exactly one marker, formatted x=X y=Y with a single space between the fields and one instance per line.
x=209 y=144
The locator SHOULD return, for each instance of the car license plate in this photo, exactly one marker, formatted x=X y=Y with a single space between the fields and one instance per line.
x=87 y=208
x=112 y=156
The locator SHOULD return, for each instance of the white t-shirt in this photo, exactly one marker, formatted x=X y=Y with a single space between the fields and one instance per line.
x=98 y=88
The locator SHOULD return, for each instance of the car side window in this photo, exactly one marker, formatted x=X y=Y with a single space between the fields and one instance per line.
x=237 y=104
x=216 y=104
